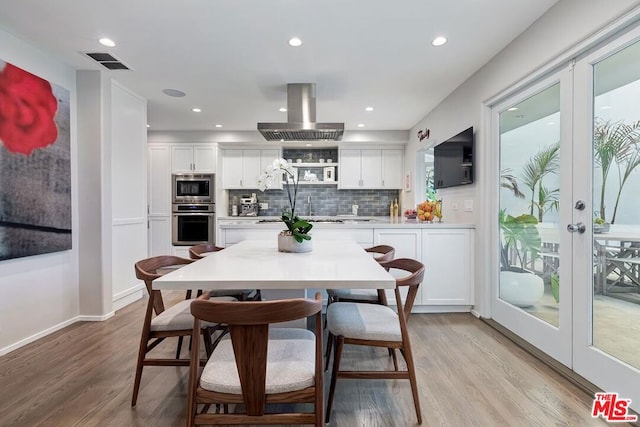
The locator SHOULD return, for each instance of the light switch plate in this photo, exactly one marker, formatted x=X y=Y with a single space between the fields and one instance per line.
x=264 y=205
x=468 y=205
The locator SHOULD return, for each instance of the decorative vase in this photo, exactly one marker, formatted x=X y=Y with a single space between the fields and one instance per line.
x=287 y=243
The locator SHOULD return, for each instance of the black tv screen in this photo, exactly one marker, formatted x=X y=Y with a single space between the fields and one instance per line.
x=453 y=161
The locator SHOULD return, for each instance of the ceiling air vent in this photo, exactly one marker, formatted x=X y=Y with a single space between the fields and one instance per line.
x=107 y=60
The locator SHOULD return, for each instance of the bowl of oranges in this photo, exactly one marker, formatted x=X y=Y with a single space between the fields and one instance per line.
x=429 y=210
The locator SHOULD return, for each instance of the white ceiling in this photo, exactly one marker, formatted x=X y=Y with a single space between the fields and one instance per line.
x=233 y=61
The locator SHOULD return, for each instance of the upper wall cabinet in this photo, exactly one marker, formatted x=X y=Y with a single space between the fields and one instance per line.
x=370 y=169
x=193 y=158
x=242 y=168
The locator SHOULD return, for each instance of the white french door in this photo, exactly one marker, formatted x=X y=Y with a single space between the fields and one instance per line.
x=570 y=144
x=606 y=323
x=532 y=295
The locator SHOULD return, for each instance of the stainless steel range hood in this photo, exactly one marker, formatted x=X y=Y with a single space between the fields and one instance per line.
x=301 y=119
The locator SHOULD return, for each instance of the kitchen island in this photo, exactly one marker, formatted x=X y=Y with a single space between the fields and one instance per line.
x=446 y=250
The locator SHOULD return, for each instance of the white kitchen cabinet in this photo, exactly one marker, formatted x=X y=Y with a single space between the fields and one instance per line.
x=392 y=169
x=408 y=244
x=159 y=175
x=159 y=200
x=193 y=158
x=242 y=168
x=159 y=235
x=370 y=169
x=448 y=259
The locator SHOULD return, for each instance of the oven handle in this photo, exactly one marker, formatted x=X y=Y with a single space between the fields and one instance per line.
x=194 y=214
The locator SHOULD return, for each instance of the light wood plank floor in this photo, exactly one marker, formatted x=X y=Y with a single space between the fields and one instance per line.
x=468 y=374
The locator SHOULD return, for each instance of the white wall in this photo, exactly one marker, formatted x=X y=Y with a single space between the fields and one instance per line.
x=563 y=26
x=39 y=294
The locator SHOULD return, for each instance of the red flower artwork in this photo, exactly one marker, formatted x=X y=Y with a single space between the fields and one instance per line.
x=27 y=110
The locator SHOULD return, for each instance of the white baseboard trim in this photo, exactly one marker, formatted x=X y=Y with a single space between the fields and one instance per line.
x=34 y=337
x=92 y=318
x=131 y=295
x=441 y=309
x=475 y=313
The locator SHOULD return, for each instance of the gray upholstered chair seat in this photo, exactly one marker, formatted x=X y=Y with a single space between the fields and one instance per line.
x=353 y=294
x=179 y=316
x=290 y=363
x=363 y=321
x=227 y=292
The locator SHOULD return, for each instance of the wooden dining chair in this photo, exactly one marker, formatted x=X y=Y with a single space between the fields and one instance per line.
x=378 y=326
x=382 y=253
x=174 y=321
x=256 y=365
x=198 y=252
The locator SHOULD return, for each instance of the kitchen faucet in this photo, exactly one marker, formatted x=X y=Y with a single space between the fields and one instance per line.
x=309 y=202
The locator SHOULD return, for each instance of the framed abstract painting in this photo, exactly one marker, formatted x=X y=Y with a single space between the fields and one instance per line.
x=35 y=165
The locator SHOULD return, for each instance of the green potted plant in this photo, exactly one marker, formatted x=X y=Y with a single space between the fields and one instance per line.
x=615 y=144
x=296 y=237
x=521 y=245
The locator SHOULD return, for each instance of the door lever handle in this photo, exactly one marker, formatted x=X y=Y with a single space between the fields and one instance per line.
x=579 y=228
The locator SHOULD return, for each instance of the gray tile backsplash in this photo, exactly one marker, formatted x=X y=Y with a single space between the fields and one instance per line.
x=325 y=201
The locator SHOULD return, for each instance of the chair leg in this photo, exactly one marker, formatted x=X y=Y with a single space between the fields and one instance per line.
x=180 y=347
x=408 y=357
x=334 y=376
x=142 y=351
x=330 y=339
x=395 y=358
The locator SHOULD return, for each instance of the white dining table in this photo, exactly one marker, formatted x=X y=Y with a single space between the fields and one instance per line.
x=257 y=264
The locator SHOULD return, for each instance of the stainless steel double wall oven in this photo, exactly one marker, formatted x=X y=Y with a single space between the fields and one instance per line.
x=194 y=209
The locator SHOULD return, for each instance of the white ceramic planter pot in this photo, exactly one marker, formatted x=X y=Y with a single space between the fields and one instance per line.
x=522 y=289
x=286 y=243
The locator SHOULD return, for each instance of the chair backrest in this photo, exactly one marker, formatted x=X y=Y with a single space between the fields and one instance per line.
x=249 y=330
x=386 y=252
x=147 y=270
x=413 y=281
x=196 y=251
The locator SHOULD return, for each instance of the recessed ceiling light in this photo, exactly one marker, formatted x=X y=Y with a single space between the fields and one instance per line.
x=439 y=41
x=196 y=110
x=551 y=123
x=606 y=107
x=283 y=110
x=295 y=42
x=308 y=145
x=107 y=42
x=360 y=125
x=368 y=109
x=173 y=92
x=218 y=126
x=148 y=126
x=512 y=109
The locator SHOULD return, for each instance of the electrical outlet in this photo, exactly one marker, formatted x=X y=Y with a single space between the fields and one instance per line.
x=264 y=205
x=454 y=206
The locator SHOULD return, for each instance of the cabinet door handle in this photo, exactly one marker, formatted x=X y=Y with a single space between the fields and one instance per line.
x=240 y=183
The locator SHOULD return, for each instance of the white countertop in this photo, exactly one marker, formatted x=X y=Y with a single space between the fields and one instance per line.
x=258 y=264
x=231 y=222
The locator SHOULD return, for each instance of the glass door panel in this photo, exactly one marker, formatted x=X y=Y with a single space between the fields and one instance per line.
x=616 y=183
x=529 y=204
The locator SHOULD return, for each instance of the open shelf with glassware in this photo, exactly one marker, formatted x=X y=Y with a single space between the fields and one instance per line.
x=316 y=173
x=314 y=166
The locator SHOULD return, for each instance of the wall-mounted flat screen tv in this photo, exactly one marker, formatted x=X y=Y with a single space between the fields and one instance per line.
x=453 y=161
